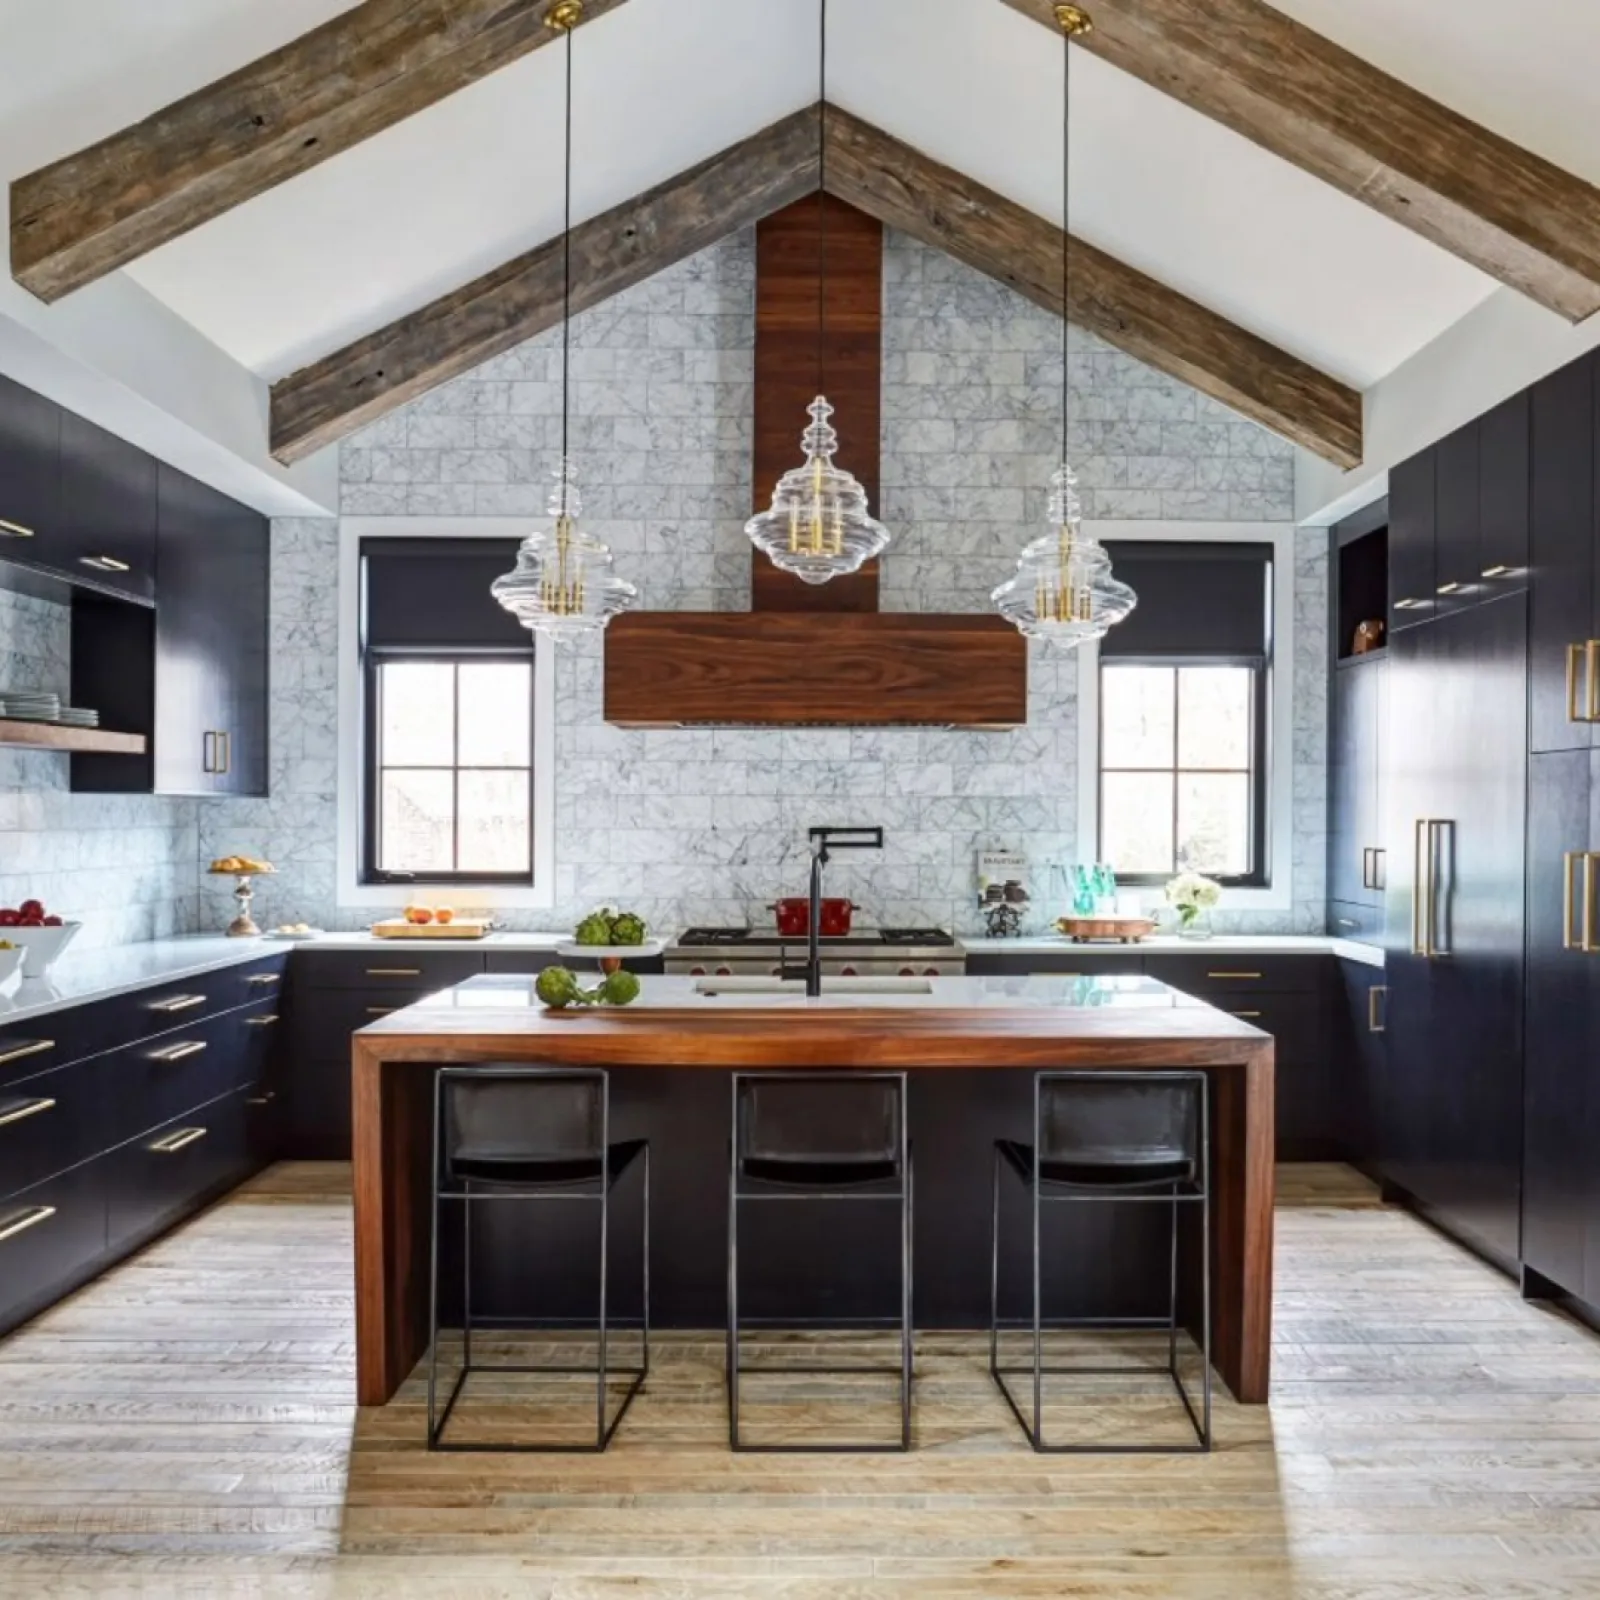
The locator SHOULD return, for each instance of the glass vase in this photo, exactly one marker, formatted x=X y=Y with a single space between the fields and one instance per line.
x=1195 y=925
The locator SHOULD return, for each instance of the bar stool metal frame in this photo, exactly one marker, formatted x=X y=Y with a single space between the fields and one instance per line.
x=557 y=1188
x=840 y=1192
x=1170 y=1192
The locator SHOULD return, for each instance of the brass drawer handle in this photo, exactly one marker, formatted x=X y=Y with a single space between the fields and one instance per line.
x=21 y=1221
x=1345 y=922
x=225 y=741
x=21 y=1110
x=1247 y=1015
x=1373 y=1025
x=179 y=1002
x=261 y=1022
x=394 y=972
x=264 y=980
x=181 y=1140
x=263 y=1099
x=178 y=1052
x=382 y=1011
x=1569 y=867
x=34 y=1047
x=15 y=530
x=104 y=563
x=1241 y=975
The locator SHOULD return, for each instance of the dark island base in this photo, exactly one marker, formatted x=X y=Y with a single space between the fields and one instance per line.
x=814 y=1264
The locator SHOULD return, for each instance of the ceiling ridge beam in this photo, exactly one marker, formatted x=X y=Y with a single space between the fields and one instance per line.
x=330 y=399
x=1512 y=214
x=909 y=191
x=359 y=73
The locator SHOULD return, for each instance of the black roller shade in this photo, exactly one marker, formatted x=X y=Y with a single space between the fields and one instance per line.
x=1195 y=600
x=433 y=594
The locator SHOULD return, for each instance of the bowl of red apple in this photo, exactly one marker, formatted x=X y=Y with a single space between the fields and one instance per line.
x=40 y=935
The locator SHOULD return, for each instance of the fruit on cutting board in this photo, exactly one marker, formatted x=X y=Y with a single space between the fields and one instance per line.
x=419 y=916
x=241 y=864
x=443 y=914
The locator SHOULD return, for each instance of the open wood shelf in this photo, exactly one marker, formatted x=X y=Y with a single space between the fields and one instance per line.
x=52 y=736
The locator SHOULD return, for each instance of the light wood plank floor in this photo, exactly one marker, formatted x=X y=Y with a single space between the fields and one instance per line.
x=185 y=1428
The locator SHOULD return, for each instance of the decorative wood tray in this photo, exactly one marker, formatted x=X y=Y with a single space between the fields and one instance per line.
x=459 y=928
x=1112 y=930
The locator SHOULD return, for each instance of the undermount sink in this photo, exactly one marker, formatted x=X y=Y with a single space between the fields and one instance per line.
x=796 y=987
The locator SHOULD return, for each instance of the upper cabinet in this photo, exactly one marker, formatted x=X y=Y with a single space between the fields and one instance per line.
x=194 y=672
x=77 y=504
x=30 y=454
x=1564 y=642
x=1413 y=516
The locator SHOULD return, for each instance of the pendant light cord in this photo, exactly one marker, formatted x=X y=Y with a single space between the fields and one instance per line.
x=1066 y=221
x=566 y=268
x=822 y=196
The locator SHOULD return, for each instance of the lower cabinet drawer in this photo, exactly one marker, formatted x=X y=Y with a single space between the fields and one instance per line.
x=51 y=1237
x=170 y=1169
x=1217 y=976
x=54 y=1121
x=385 y=966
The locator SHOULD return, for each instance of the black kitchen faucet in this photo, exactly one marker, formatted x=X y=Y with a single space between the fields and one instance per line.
x=823 y=842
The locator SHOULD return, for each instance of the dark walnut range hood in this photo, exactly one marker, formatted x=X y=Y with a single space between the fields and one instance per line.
x=819 y=655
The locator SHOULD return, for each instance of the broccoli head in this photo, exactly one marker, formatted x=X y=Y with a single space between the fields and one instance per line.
x=595 y=928
x=627 y=929
x=558 y=988
x=619 y=988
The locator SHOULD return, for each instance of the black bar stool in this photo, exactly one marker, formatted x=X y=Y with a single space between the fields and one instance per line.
x=838 y=1136
x=1110 y=1137
x=507 y=1134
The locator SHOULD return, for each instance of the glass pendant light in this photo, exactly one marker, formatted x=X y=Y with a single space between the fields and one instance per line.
x=1063 y=591
x=819 y=526
x=563 y=585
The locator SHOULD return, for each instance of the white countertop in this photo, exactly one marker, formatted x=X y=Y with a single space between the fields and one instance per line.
x=1167 y=944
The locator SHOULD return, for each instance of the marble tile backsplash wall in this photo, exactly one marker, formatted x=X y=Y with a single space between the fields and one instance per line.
x=125 y=865
x=707 y=825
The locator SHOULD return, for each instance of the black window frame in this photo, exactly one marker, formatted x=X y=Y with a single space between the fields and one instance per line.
x=1261 y=759
x=372 y=875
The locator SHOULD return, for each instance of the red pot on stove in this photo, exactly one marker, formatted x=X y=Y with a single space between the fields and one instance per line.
x=794 y=917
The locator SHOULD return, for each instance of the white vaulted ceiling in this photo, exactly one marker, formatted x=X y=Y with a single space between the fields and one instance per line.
x=662 y=84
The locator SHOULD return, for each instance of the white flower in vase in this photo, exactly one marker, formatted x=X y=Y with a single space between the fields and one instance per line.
x=1191 y=895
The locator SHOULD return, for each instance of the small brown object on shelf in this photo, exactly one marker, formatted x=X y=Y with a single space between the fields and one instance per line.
x=1115 y=930
x=460 y=928
x=1368 y=637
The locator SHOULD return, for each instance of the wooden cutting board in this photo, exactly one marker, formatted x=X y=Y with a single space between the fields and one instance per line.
x=460 y=928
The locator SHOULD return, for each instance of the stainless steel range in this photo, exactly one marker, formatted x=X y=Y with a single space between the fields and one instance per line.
x=864 y=953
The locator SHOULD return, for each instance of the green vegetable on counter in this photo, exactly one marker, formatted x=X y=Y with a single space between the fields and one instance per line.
x=627 y=928
x=619 y=988
x=595 y=928
x=558 y=989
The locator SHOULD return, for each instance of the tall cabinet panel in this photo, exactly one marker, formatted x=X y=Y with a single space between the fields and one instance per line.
x=1451 y=1125
x=1561 y=1206
x=1413 y=514
x=1565 y=672
x=1356 y=854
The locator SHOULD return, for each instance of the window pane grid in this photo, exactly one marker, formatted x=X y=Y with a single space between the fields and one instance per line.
x=1179 y=776
x=435 y=817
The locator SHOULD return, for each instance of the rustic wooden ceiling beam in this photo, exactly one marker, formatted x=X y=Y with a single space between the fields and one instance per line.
x=359 y=73
x=905 y=189
x=333 y=397
x=1512 y=214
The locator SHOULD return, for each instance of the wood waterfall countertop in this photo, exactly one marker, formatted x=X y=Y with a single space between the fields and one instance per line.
x=994 y=1026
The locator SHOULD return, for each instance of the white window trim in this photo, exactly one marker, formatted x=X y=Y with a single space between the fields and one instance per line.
x=1279 y=896
x=349 y=890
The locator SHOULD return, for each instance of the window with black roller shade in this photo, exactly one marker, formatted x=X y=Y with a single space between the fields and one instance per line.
x=1185 y=714
x=448 y=710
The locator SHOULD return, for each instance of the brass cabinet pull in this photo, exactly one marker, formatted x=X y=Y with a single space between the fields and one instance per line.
x=1345 y=922
x=1569 y=867
x=1241 y=975
x=1380 y=875
x=14 y=530
x=174 y=1142
x=20 y=1221
x=261 y=1022
x=1590 y=941
x=264 y=980
x=1366 y=867
x=1588 y=654
x=179 y=1002
x=394 y=972
x=1591 y=659
x=21 y=1110
x=1574 y=654
x=208 y=760
x=225 y=744
x=104 y=563
x=263 y=1099
x=1431 y=830
x=178 y=1052
x=34 y=1047
x=382 y=1011
x=1418 y=945
x=1373 y=1025
x=1247 y=1015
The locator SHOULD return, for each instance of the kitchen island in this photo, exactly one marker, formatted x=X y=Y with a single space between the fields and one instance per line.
x=970 y=1047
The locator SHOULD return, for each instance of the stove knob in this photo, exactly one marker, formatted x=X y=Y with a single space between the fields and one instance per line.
x=724 y=972
x=777 y=972
x=697 y=972
x=848 y=972
x=908 y=972
x=930 y=972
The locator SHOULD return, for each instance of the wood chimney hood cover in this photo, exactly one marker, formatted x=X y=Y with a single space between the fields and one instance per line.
x=668 y=669
x=806 y=655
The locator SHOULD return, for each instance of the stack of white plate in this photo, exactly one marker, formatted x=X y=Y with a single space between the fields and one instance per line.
x=26 y=705
x=78 y=717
